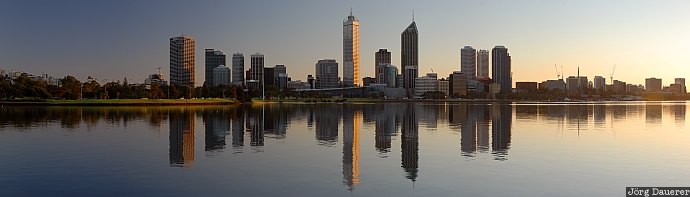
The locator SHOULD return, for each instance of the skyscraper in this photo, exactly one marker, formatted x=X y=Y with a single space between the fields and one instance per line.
x=468 y=62
x=409 y=53
x=652 y=84
x=238 y=69
x=599 y=83
x=326 y=74
x=681 y=82
x=501 y=69
x=351 y=51
x=483 y=64
x=182 y=60
x=382 y=58
x=213 y=58
x=256 y=71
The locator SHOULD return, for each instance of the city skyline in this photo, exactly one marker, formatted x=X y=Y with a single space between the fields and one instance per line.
x=591 y=35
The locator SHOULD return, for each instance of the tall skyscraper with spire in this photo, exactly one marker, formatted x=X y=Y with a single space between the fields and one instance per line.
x=351 y=51
x=409 y=54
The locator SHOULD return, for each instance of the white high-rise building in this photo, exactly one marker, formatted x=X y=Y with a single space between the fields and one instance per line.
x=221 y=75
x=351 y=51
x=425 y=84
x=468 y=62
x=483 y=64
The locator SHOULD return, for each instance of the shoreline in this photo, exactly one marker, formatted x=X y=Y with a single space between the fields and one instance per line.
x=122 y=102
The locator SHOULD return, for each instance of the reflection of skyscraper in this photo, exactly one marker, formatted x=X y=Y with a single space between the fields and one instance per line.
x=599 y=115
x=256 y=126
x=483 y=118
x=468 y=132
x=410 y=143
x=238 y=129
x=181 y=138
x=679 y=113
x=501 y=120
x=351 y=124
x=216 y=124
x=653 y=114
x=326 y=124
x=385 y=128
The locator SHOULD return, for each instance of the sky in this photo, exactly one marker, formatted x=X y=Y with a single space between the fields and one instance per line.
x=111 y=40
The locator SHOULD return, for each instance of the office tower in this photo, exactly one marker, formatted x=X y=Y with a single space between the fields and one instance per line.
x=390 y=75
x=238 y=69
x=221 y=75
x=410 y=73
x=311 y=81
x=213 y=58
x=681 y=82
x=256 y=71
x=326 y=74
x=182 y=60
x=409 y=53
x=278 y=71
x=351 y=51
x=575 y=84
x=468 y=62
x=652 y=84
x=483 y=64
x=501 y=69
x=599 y=83
x=382 y=58
x=425 y=84
x=443 y=85
x=269 y=76
x=457 y=85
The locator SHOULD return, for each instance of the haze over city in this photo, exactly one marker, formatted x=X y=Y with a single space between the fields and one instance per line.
x=117 y=39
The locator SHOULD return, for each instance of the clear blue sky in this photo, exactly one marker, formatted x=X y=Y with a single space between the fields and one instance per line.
x=116 y=39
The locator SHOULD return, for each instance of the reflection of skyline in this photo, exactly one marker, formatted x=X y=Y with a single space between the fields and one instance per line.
x=410 y=143
x=501 y=121
x=181 y=138
x=326 y=121
x=216 y=128
x=351 y=126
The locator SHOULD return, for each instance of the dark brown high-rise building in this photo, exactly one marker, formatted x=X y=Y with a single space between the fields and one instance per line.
x=182 y=60
x=409 y=53
x=383 y=57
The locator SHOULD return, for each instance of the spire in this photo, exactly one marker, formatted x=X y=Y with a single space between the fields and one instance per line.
x=412 y=15
x=350 y=11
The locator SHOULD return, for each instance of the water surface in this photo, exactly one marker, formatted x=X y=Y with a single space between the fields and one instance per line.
x=394 y=149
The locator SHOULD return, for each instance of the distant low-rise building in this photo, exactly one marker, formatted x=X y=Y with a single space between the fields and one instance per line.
x=425 y=84
x=443 y=86
x=653 y=85
x=526 y=86
x=221 y=75
x=368 y=81
x=457 y=84
x=553 y=85
x=155 y=78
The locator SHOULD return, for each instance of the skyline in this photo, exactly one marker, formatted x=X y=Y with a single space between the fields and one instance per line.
x=114 y=40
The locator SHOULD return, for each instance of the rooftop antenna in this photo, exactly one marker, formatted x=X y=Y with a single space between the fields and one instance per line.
x=159 y=70
x=350 y=11
x=412 y=15
x=614 y=70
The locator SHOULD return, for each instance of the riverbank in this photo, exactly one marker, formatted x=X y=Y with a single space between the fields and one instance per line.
x=120 y=102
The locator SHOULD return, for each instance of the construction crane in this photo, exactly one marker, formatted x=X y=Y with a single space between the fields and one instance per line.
x=558 y=74
x=614 y=70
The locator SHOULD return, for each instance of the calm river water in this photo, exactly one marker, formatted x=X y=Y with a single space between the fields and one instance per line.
x=393 y=149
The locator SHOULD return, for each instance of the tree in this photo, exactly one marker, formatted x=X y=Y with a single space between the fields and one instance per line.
x=434 y=95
